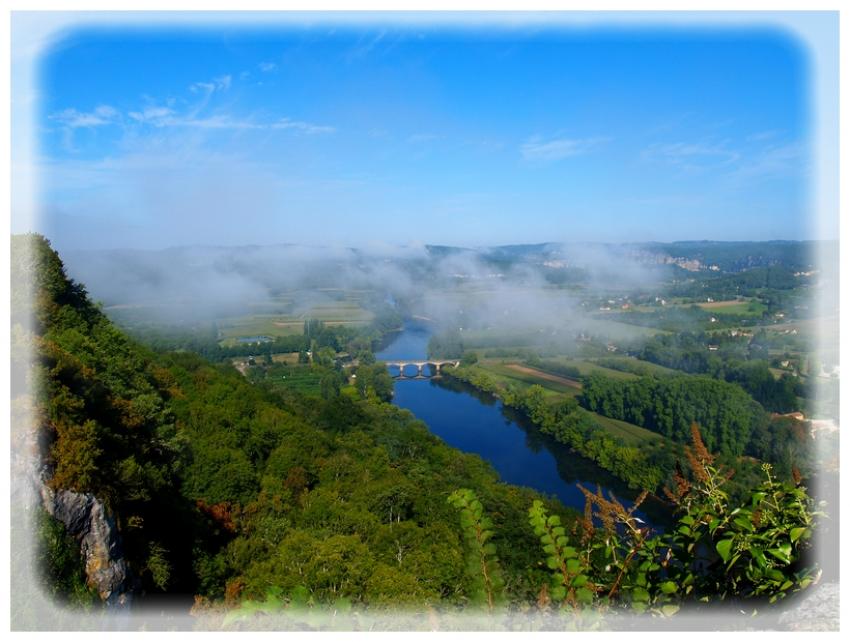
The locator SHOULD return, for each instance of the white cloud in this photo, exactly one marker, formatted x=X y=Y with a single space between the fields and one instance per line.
x=693 y=154
x=736 y=161
x=773 y=161
x=218 y=121
x=151 y=114
x=304 y=127
x=73 y=119
x=267 y=67
x=539 y=150
x=222 y=83
x=198 y=116
x=161 y=117
x=365 y=45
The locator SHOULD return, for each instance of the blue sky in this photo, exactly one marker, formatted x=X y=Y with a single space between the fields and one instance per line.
x=371 y=134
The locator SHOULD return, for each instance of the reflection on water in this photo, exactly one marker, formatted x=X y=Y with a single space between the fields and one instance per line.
x=477 y=422
x=411 y=343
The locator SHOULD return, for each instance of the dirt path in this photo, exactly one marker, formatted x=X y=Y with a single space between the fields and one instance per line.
x=572 y=383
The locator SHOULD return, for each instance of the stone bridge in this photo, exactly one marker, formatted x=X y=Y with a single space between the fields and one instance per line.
x=437 y=365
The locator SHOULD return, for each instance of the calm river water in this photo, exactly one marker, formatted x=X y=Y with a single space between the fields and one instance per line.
x=475 y=422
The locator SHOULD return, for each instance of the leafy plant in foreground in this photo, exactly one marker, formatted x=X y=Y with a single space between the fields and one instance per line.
x=756 y=550
x=570 y=584
x=631 y=564
x=482 y=562
x=712 y=553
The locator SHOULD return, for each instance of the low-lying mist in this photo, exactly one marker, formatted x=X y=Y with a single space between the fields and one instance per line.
x=510 y=287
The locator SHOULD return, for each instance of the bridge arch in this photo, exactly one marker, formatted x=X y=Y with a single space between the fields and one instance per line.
x=425 y=369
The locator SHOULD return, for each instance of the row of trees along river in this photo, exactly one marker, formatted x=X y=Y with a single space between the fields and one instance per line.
x=479 y=423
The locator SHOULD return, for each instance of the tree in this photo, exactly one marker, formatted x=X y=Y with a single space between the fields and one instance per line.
x=375 y=381
x=330 y=384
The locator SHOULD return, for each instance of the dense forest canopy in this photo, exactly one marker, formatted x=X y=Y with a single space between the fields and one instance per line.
x=222 y=488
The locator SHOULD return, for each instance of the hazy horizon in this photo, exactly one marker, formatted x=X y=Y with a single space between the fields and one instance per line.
x=377 y=247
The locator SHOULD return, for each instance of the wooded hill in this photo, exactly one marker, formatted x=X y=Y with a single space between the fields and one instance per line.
x=223 y=489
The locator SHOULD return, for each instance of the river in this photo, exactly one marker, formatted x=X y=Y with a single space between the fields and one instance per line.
x=476 y=422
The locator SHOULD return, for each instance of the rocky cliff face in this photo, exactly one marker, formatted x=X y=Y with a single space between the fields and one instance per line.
x=87 y=520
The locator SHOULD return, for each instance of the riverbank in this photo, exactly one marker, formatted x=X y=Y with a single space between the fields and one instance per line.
x=574 y=427
x=476 y=421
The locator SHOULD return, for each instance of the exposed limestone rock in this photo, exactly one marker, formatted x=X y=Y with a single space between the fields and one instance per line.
x=87 y=520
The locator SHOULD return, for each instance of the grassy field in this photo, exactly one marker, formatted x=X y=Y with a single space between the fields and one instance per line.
x=268 y=326
x=543 y=374
x=510 y=370
x=619 y=331
x=629 y=433
x=648 y=366
x=287 y=358
x=285 y=313
x=748 y=308
x=301 y=379
x=277 y=325
x=341 y=312
x=743 y=307
x=504 y=374
x=587 y=368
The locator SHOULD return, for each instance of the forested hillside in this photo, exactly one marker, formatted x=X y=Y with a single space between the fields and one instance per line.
x=223 y=489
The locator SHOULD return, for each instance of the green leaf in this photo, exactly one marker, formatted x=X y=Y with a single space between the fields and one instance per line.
x=775 y=574
x=797 y=533
x=724 y=548
x=299 y=596
x=640 y=594
x=780 y=554
x=584 y=595
x=669 y=587
x=669 y=610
